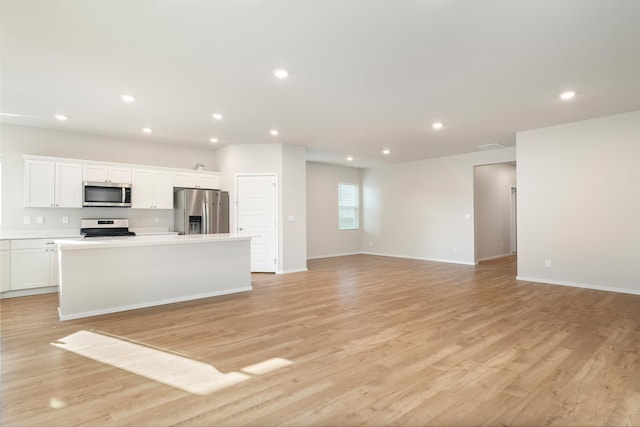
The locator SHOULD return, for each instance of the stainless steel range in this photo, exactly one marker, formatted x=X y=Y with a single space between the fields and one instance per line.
x=105 y=227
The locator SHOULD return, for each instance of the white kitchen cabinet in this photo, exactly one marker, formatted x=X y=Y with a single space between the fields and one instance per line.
x=5 y=265
x=52 y=184
x=105 y=173
x=197 y=179
x=32 y=262
x=151 y=189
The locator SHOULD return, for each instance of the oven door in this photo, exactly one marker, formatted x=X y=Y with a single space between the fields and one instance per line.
x=102 y=194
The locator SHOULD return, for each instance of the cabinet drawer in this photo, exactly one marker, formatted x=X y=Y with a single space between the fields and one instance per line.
x=32 y=244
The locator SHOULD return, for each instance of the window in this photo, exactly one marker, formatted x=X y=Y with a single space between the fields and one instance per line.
x=348 y=214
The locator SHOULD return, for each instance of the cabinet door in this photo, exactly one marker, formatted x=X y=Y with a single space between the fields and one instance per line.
x=39 y=184
x=53 y=267
x=208 y=181
x=184 y=179
x=142 y=196
x=163 y=190
x=95 y=173
x=5 y=271
x=29 y=268
x=120 y=175
x=68 y=185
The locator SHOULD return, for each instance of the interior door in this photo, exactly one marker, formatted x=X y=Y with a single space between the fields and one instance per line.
x=256 y=215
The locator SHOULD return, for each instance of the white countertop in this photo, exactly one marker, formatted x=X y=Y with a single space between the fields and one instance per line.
x=39 y=234
x=152 y=240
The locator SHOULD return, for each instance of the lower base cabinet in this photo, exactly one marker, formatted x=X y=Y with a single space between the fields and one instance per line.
x=34 y=264
x=5 y=266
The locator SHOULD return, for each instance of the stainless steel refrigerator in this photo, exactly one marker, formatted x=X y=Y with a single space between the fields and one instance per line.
x=201 y=211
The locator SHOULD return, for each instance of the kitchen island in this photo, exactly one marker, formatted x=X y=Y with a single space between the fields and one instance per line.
x=100 y=276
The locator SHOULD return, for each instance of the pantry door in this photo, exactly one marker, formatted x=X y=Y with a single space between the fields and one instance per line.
x=256 y=214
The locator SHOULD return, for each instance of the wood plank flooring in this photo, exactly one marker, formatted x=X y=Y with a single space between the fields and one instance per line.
x=356 y=340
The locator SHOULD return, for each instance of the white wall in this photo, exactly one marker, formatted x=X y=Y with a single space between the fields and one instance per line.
x=323 y=236
x=294 y=190
x=579 y=203
x=419 y=209
x=492 y=203
x=288 y=163
x=18 y=140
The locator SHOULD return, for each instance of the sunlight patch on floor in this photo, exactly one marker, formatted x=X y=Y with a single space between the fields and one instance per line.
x=158 y=365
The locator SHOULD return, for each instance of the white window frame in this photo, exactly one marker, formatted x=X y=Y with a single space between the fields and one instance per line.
x=348 y=206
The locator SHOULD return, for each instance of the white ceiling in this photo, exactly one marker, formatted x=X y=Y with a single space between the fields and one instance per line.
x=365 y=74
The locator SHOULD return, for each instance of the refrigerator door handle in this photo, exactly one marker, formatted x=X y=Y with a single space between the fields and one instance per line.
x=205 y=209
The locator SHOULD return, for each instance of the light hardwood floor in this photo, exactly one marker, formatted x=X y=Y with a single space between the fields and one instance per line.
x=357 y=340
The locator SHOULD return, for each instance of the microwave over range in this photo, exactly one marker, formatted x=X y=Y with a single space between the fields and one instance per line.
x=106 y=194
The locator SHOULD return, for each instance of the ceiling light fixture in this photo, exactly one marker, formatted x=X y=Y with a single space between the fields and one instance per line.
x=60 y=117
x=437 y=125
x=127 y=98
x=214 y=140
x=350 y=159
x=567 y=95
x=281 y=73
x=274 y=132
x=386 y=151
x=217 y=116
x=147 y=130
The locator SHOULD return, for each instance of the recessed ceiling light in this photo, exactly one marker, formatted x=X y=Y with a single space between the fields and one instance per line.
x=274 y=132
x=127 y=98
x=214 y=140
x=350 y=159
x=146 y=130
x=60 y=117
x=386 y=151
x=567 y=95
x=281 y=73
x=437 y=125
x=217 y=116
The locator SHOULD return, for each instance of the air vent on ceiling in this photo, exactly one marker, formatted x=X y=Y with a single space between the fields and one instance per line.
x=490 y=146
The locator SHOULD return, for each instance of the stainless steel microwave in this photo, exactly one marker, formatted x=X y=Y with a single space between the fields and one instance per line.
x=106 y=194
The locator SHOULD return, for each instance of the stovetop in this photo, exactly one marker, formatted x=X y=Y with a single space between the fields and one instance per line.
x=105 y=227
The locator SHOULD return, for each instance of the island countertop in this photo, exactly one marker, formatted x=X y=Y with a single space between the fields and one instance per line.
x=151 y=240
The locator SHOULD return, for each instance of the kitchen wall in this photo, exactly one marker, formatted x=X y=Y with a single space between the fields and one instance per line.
x=324 y=239
x=492 y=205
x=579 y=204
x=424 y=209
x=17 y=140
x=288 y=163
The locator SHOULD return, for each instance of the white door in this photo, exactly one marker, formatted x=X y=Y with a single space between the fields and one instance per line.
x=256 y=197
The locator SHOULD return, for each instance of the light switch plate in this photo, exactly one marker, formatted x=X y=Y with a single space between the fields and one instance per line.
x=26 y=220
x=65 y=219
x=291 y=218
x=39 y=220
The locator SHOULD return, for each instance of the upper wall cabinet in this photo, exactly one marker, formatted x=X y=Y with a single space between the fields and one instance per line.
x=186 y=179
x=103 y=173
x=151 y=189
x=52 y=184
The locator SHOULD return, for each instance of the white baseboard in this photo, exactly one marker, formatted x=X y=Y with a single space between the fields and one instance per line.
x=29 y=292
x=495 y=257
x=579 y=285
x=299 y=270
x=448 y=261
x=334 y=255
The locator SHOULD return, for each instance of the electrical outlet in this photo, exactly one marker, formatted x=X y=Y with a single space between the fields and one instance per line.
x=156 y=220
x=291 y=218
x=26 y=220
x=65 y=219
x=547 y=263
x=39 y=220
x=455 y=249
